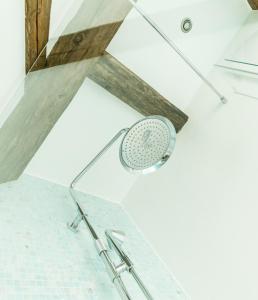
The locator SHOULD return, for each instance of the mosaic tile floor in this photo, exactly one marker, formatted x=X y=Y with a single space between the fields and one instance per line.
x=40 y=259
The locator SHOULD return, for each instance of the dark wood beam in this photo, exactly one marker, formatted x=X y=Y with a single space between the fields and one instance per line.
x=37 y=23
x=110 y=73
x=47 y=94
x=116 y=78
x=81 y=45
x=49 y=91
x=253 y=4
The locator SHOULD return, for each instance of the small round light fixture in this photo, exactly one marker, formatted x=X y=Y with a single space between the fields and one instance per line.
x=186 y=25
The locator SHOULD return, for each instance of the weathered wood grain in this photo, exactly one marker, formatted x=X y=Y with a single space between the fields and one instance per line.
x=47 y=94
x=31 y=32
x=37 y=21
x=253 y=4
x=82 y=45
x=49 y=91
x=109 y=73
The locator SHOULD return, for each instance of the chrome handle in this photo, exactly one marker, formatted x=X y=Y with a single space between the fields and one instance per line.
x=115 y=240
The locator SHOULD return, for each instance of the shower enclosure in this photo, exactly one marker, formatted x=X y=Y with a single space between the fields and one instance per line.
x=240 y=59
x=120 y=52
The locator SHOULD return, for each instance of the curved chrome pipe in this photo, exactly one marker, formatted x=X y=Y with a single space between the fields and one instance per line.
x=81 y=216
x=112 y=270
x=114 y=238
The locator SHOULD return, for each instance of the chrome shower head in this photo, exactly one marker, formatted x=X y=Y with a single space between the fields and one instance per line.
x=148 y=144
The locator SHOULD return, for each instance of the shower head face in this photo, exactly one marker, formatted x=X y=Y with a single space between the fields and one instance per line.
x=148 y=144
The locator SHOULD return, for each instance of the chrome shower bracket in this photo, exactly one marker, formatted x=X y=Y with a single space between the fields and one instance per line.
x=115 y=240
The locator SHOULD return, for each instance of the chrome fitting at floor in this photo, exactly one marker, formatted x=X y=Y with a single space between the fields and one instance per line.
x=224 y=100
x=75 y=223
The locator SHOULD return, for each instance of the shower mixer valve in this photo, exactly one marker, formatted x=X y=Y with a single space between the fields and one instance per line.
x=115 y=239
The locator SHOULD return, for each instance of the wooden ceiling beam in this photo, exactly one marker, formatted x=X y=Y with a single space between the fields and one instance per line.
x=47 y=94
x=253 y=4
x=49 y=91
x=37 y=22
x=110 y=73
x=117 y=79
x=78 y=46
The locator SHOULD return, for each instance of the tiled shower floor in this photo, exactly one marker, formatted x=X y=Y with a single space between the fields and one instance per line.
x=40 y=259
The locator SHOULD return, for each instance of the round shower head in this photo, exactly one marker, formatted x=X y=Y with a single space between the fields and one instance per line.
x=148 y=144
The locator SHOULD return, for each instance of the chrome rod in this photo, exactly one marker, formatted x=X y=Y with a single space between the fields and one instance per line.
x=88 y=224
x=178 y=51
x=114 y=244
x=103 y=253
x=74 y=225
x=97 y=157
x=141 y=284
x=100 y=247
x=122 y=289
x=114 y=276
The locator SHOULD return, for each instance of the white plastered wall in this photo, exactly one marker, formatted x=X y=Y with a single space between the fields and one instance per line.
x=95 y=115
x=87 y=125
x=200 y=210
x=206 y=231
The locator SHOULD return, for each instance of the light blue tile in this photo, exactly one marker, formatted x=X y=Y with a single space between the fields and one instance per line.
x=40 y=259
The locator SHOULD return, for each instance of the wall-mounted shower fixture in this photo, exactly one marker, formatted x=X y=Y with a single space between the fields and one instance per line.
x=145 y=147
x=186 y=25
x=177 y=50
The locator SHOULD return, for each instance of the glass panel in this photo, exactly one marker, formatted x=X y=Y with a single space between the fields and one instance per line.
x=245 y=46
x=94 y=48
x=240 y=58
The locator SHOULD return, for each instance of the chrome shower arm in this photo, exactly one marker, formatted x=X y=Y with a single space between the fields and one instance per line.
x=75 y=223
x=97 y=157
x=112 y=270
